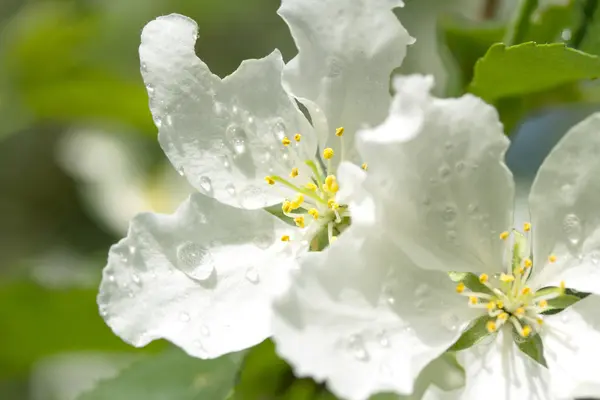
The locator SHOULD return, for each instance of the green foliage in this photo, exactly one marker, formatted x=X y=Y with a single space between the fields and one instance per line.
x=38 y=322
x=476 y=331
x=532 y=346
x=170 y=375
x=528 y=68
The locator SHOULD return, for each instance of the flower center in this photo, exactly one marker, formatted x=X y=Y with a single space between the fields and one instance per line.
x=506 y=298
x=314 y=208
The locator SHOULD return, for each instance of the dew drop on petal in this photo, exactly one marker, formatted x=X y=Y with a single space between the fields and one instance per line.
x=195 y=260
x=204 y=331
x=110 y=277
x=459 y=166
x=168 y=120
x=237 y=137
x=206 y=184
x=572 y=229
x=252 y=275
x=449 y=213
x=421 y=290
x=184 y=317
x=158 y=122
x=230 y=188
x=450 y=321
x=263 y=240
x=279 y=130
x=595 y=257
x=444 y=171
x=383 y=339
x=181 y=170
x=357 y=348
x=135 y=278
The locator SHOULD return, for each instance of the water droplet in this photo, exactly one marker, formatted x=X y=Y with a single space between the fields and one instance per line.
x=357 y=347
x=451 y=236
x=449 y=214
x=459 y=166
x=595 y=257
x=195 y=260
x=184 y=317
x=235 y=109
x=388 y=295
x=230 y=189
x=450 y=321
x=158 y=122
x=565 y=35
x=572 y=228
x=422 y=289
x=144 y=67
x=206 y=184
x=383 y=339
x=444 y=171
x=111 y=277
x=204 y=331
x=279 y=130
x=252 y=275
x=449 y=145
x=181 y=170
x=250 y=119
x=130 y=294
x=150 y=89
x=218 y=108
x=226 y=163
x=263 y=240
x=135 y=278
x=237 y=137
x=472 y=208
x=169 y=120
x=564 y=317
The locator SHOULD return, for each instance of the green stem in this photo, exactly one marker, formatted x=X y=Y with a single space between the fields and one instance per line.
x=588 y=13
x=305 y=192
x=518 y=30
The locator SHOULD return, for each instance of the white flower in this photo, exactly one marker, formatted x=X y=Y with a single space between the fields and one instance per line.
x=368 y=313
x=203 y=277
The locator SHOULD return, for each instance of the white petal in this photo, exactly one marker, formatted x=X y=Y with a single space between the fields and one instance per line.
x=223 y=135
x=437 y=175
x=500 y=371
x=362 y=318
x=354 y=194
x=571 y=349
x=565 y=211
x=201 y=278
x=347 y=51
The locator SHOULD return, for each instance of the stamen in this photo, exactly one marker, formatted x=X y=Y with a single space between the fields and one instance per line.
x=314 y=212
x=483 y=278
x=506 y=278
x=460 y=287
x=339 y=131
x=286 y=141
x=519 y=312
x=552 y=258
x=527 y=262
x=332 y=204
x=286 y=206
x=542 y=303
x=526 y=331
x=285 y=238
x=526 y=226
x=328 y=153
x=491 y=326
x=294 y=172
x=562 y=286
x=269 y=180
x=504 y=235
x=298 y=202
x=331 y=185
x=526 y=290
x=311 y=186
x=297 y=137
x=491 y=306
x=299 y=221
x=473 y=300
x=364 y=166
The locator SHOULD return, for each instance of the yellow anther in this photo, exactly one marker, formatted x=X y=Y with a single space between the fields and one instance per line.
x=519 y=312
x=285 y=238
x=331 y=185
x=473 y=300
x=311 y=186
x=503 y=317
x=314 y=212
x=339 y=131
x=460 y=287
x=499 y=304
x=483 y=278
x=526 y=290
x=542 y=304
x=332 y=204
x=526 y=331
x=286 y=206
x=491 y=326
x=328 y=153
x=521 y=271
x=540 y=321
x=286 y=141
x=333 y=239
x=562 y=286
x=504 y=235
x=294 y=172
x=297 y=137
x=552 y=258
x=299 y=221
x=491 y=306
x=298 y=202
x=269 y=180
x=526 y=226
x=506 y=278
x=364 y=166
x=527 y=262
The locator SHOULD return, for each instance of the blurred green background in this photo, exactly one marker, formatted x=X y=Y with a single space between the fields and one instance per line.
x=79 y=158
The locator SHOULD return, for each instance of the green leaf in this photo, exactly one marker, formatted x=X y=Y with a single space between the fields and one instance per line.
x=170 y=375
x=466 y=42
x=563 y=301
x=471 y=281
x=533 y=347
x=528 y=68
x=476 y=331
x=40 y=322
